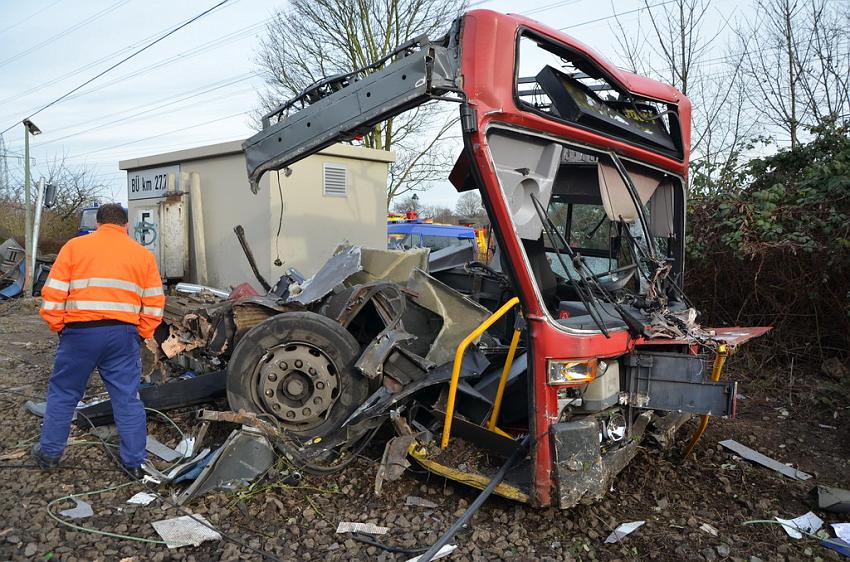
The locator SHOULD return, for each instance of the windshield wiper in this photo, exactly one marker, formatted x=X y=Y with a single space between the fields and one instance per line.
x=636 y=327
x=585 y=295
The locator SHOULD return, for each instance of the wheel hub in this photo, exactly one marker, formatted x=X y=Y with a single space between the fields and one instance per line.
x=298 y=384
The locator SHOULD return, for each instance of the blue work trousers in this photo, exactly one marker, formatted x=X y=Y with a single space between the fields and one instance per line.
x=114 y=350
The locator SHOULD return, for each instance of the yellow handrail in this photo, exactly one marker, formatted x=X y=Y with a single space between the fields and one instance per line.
x=497 y=403
x=719 y=361
x=450 y=406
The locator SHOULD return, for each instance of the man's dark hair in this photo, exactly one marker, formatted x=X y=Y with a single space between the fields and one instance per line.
x=111 y=213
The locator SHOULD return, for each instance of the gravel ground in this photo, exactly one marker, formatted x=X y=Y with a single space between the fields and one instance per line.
x=299 y=522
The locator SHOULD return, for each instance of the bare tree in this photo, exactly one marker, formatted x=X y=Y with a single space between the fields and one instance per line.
x=313 y=39
x=469 y=205
x=76 y=187
x=776 y=47
x=676 y=50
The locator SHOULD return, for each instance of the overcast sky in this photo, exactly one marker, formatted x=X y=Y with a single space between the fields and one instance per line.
x=196 y=87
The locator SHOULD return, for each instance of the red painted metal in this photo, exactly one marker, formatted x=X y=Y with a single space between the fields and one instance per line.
x=488 y=82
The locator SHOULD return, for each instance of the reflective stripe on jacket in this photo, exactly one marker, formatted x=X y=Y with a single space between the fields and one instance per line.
x=105 y=275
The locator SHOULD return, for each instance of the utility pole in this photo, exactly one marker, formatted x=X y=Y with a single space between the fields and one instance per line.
x=29 y=129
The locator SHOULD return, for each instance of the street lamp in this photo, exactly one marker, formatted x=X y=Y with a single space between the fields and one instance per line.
x=29 y=129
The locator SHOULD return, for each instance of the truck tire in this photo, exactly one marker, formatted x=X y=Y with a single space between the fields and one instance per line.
x=299 y=368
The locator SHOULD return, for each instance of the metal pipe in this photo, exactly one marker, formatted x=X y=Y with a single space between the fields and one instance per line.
x=503 y=380
x=36 y=228
x=192 y=288
x=450 y=405
x=719 y=361
x=240 y=234
x=27 y=215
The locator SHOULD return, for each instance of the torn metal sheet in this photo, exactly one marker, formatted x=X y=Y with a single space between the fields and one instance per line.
x=245 y=455
x=337 y=269
x=371 y=361
x=166 y=453
x=186 y=530
x=80 y=511
x=394 y=461
x=142 y=498
x=756 y=457
x=452 y=256
x=460 y=314
x=368 y=528
x=833 y=499
x=394 y=266
x=473 y=364
x=621 y=531
x=808 y=523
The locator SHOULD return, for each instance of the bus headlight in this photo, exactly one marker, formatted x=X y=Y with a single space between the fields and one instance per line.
x=565 y=371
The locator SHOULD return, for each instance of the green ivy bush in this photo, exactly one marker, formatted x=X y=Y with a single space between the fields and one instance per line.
x=769 y=244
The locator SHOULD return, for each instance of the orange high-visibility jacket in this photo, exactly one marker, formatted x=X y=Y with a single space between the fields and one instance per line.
x=105 y=275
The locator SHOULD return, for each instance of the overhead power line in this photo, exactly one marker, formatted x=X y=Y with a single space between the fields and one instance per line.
x=615 y=15
x=122 y=61
x=53 y=38
x=29 y=17
x=83 y=68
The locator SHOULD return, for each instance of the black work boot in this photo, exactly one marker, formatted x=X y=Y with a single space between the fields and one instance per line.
x=43 y=461
x=136 y=473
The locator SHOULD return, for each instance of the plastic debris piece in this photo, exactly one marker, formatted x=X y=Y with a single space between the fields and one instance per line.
x=708 y=529
x=142 y=498
x=185 y=530
x=416 y=501
x=838 y=545
x=623 y=530
x=756 y=457
x=368 y=528
x=833 y=499
x=162 y=451
x=842 y=531
x=442 y=553
x=186 y=447
x=80 y=511
x=807 y=523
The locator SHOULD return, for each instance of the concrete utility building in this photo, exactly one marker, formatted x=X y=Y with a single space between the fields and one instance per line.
x=331 y=197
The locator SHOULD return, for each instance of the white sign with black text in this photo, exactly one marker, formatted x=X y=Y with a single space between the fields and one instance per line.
x=152 y=182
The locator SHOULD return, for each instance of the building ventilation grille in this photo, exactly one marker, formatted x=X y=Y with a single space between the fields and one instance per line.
x=335 y=180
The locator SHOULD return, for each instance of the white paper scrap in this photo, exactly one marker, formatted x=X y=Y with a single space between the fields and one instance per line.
x=842 y=531
x=185 y=531
x=808 y=523
x=81 y=510
x=142 y=498
x=186 y=447
x=708 y=529
x=368 y=528
x=623 y=530
x=444 y=551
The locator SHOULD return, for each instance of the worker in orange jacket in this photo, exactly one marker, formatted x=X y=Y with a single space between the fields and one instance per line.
x=103 y=295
